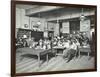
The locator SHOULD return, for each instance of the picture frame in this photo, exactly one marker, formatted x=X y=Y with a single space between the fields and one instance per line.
x=14 y=20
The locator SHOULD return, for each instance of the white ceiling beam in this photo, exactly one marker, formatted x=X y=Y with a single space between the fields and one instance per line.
x=69 y=16
x=40 y=9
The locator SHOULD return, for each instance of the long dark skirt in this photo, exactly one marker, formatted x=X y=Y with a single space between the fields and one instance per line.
x=70 y=54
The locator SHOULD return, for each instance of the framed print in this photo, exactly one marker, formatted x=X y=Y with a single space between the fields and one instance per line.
x=52 y=38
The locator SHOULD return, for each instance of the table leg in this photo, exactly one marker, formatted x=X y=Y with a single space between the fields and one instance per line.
x=79 y=54
x=47 y=58
x=55 y=54
x=21 y=57
x=39 y=60
x=88 y=54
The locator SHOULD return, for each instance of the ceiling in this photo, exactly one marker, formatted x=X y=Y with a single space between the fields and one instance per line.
x=22 y=6
x=53 y=13
x=59 y=12
x=50 y=13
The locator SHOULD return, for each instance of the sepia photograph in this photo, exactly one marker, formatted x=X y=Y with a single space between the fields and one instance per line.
x=51 y=37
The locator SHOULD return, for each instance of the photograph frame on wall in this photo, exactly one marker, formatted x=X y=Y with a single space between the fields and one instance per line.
x=19 y=55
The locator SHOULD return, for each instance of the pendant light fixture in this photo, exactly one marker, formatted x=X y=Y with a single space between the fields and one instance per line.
x=82 y=17
x=39 y=23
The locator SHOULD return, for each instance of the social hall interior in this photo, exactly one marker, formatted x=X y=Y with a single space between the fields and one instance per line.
x=54 y=38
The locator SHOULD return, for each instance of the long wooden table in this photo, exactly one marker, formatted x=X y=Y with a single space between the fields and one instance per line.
x=84 y=49
x=32 y=51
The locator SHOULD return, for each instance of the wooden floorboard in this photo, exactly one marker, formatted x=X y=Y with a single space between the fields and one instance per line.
x=30 y=64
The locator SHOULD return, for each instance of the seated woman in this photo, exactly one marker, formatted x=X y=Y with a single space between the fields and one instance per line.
x=41 y=43
x=19 y=43
x=32 y=43
x=60 y=43
x=85 y=41
x=48 y=44
x=28 y=41
x=24 y=42
x=66 y=45
x=54 y=43
x=71 y=51
x=78 y=45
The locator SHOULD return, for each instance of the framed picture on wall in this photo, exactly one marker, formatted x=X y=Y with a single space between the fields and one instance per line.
x=72 y=46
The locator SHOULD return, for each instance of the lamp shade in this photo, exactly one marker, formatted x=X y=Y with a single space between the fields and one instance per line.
x=38 y=23
x=82 y=17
